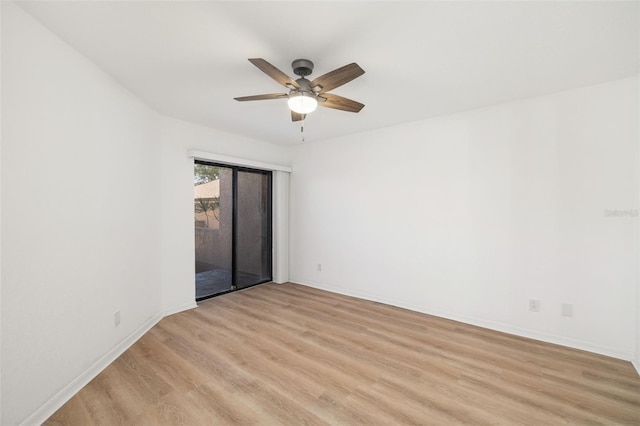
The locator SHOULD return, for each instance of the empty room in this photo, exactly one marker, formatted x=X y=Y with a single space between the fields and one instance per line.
x=320 y=212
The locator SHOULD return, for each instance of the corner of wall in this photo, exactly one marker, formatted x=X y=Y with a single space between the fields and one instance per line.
x=180 y=308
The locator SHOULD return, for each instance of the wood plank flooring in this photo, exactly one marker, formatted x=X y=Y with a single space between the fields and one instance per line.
x=293 y=355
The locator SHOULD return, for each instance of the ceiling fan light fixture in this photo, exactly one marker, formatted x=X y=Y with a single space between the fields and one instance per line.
x=302 y=103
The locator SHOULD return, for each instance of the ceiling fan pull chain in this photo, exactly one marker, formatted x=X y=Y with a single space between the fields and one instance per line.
x=302 y=129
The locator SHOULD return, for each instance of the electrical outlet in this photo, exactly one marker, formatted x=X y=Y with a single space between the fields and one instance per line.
x=116 y=318
x=534 y=305
x=566 y=310
x=319 y=267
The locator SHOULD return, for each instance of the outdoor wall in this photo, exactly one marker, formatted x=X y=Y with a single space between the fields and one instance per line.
x=213 y=245
x=178 y=137
x=81 y=233
x=468 y=216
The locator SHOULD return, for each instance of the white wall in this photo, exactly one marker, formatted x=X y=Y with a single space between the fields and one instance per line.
x=469 y=216
x=636 y=361
x=97 y=195
x=637 y=357
x=0 y=218
x=178 y=137
x=81 y=229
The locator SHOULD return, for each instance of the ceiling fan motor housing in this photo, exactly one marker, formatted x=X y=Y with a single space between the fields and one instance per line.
x=302 y=67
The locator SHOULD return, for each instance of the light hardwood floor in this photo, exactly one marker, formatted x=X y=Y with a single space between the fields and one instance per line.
x=293 y=355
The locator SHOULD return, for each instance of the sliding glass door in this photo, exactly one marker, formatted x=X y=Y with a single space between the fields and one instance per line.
x=232 y=211
x=253 y=228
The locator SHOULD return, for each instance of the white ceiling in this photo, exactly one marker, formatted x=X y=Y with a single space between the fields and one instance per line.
x=422 y=59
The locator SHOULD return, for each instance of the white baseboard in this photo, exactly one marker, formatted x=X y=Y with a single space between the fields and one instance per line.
x=636 y=365
x=492 y=325
x=180 y=308
x=66 y=393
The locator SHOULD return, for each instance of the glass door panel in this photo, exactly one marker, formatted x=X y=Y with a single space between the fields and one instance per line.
x=253 y=228
x=213 y=214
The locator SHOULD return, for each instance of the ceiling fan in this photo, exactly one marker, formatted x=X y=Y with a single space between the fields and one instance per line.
x=304 y=95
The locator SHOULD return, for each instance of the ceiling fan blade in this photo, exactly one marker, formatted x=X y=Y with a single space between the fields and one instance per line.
x=274 y=72
x=338 y=102
x=337 y=77
x=261 y=97
x=297 y=116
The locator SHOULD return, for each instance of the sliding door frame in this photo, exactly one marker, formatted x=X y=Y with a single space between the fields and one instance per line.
x=234 y=222
x=280 y=203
